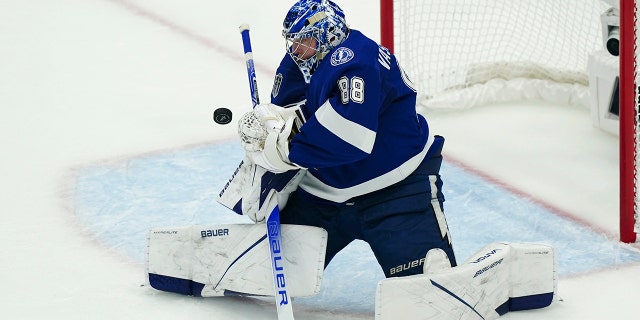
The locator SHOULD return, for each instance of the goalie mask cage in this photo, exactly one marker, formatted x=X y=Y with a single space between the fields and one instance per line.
x=462 y=53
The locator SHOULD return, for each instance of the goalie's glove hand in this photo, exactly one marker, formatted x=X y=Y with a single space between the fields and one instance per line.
x=254 y=126
x=271 y=117
x=252 y=133
x=274 y=156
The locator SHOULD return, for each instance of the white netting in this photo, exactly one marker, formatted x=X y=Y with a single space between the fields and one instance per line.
x=463 y=53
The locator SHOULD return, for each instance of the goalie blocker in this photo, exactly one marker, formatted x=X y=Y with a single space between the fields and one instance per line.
x=499 y=278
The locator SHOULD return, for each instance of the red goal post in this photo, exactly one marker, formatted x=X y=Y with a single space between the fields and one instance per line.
x=473 y=44
x=629 y=138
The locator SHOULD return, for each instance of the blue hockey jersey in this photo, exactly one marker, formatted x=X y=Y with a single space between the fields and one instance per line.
x=362 y=132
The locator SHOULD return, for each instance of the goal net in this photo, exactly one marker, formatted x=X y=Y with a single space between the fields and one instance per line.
x=465 y=53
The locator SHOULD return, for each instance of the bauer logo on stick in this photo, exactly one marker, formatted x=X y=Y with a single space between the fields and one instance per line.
x=222 y=116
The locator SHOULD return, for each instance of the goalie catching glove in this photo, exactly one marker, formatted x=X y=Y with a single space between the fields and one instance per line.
x=265 y=133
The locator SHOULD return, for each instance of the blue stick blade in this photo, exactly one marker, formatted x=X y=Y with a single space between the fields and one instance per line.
x=283 y=300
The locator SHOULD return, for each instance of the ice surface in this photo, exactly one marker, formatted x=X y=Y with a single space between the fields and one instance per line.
x=106 y=130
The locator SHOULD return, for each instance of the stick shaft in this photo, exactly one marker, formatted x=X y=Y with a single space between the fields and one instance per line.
x=251 y=70
x=282 y=298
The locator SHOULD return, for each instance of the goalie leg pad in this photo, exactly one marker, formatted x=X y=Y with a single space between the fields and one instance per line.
x=499 y=278
x=220 y=260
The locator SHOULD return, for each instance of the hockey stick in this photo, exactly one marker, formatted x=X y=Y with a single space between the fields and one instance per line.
x=283 y=301
x=248 y=56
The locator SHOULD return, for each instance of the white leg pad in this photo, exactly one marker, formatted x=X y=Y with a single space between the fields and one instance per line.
x=233 y=259
x=499 y=278
x=436 y=261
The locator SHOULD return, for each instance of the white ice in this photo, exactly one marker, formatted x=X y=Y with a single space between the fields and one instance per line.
x=103 y=83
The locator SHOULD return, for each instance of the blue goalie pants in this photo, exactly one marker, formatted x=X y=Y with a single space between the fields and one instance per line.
x=401 y=223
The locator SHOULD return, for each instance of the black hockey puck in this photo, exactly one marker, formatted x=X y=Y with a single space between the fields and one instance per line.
x=222 y=115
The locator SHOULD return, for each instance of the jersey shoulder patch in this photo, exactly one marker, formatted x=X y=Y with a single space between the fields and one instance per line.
x=341 y=55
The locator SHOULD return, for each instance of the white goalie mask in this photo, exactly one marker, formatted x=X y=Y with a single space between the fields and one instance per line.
x=311 y=29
